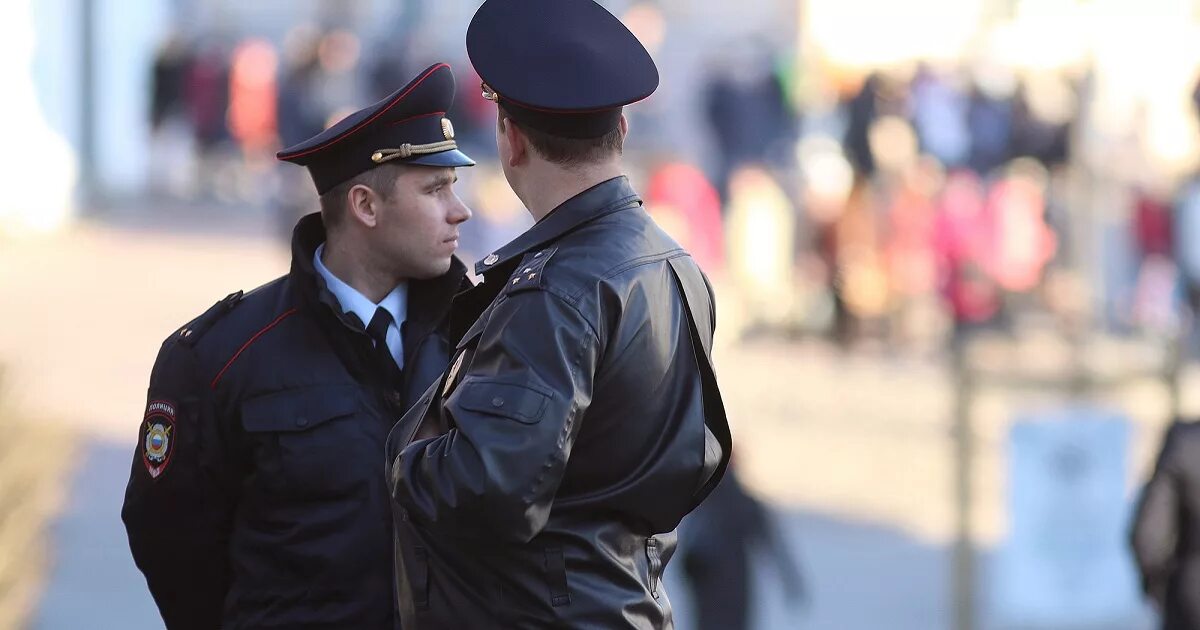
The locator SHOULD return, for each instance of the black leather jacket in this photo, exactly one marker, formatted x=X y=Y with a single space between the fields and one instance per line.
x=257 y=496
x=577 y=425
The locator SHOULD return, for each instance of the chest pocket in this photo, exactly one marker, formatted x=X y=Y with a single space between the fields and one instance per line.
x=315 y=441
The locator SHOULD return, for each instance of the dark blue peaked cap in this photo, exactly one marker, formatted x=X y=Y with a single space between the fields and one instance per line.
x=407 y=127
x=565 y=67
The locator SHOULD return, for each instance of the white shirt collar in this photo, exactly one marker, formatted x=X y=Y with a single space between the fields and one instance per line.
x=352 y=301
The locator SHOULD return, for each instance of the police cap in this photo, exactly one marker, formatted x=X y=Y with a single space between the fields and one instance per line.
x=564 y=67
x=408 y=127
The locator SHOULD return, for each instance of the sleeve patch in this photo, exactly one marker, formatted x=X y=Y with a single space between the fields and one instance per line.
x=158 y=436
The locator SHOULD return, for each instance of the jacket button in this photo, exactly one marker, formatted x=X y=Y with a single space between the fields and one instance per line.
x=497 y=402
x=301 y=421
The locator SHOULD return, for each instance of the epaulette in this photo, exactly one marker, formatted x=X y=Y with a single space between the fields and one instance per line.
x=529 y=274
x=191 y=333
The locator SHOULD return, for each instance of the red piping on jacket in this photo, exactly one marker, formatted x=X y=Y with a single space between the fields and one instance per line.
x=258 y=334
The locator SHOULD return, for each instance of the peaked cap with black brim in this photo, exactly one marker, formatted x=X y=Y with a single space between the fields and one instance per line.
x=564 y=67
x=408 y=127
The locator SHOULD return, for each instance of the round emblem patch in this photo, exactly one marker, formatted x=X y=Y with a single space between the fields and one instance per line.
x=447 y=129
x=158 y=440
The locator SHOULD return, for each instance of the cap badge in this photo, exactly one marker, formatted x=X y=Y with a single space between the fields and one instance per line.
x=447 y=129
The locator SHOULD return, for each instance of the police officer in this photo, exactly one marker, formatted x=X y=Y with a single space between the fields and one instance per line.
x=539 y=482
x=257 y=496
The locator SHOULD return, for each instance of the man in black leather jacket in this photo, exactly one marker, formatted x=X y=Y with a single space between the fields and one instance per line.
x=257 y=495
x=540 y=481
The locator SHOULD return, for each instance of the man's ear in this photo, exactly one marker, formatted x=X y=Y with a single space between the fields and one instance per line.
x=518 y=142
x=624 y=127
x=363 y=205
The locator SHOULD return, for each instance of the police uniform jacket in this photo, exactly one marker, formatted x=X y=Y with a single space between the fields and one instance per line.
x=257 y=495
x=1166 y=529
x=577 y=425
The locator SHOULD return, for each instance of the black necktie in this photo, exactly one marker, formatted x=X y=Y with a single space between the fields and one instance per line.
x=377 y=330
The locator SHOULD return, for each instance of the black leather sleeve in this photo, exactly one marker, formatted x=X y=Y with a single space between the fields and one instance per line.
x=513 y=416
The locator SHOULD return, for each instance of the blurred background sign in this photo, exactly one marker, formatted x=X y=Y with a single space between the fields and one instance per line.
x=1064 y=564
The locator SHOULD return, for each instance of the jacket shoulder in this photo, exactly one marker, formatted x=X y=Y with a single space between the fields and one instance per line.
x=232 y=320
x=590 y=255
x=192 y=332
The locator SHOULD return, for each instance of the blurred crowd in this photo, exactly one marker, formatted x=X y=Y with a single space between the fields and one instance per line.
x=220 y=109
x=928 y=202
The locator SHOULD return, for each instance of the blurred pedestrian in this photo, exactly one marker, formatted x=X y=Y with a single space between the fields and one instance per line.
x=862 y=110
x=1166 y=530
x=990 y=120
x=682 y=201
x=257 y=496
x=172 y=138
x=299 y=117
x=939 y=115
x=1185 y=244
x=761 y=236
x=168 y=79
x=207 y=94
x=541 y=481
x=720 y=546
x=748 y=111
x=962 y=244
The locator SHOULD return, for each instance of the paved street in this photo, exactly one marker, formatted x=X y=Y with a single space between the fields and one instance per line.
x=854 y=450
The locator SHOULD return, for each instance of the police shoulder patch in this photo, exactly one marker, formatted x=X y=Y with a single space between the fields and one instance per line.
x=529 y=274
x=158 y=436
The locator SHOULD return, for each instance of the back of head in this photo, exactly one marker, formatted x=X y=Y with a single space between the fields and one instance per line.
x=569 y=153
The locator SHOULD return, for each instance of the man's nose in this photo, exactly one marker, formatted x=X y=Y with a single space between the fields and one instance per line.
x=460 y=213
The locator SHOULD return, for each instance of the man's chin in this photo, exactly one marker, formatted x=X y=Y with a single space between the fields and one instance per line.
x=433 y=270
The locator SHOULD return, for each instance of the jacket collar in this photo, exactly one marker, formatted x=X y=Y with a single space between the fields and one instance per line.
x=602 y=199
x=351 y=301
x=428 y=300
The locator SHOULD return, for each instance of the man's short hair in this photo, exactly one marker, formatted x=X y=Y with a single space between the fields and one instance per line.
x=571 y=152
x=381 y=179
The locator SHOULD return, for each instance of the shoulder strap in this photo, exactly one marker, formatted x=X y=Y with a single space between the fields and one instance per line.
x=191 y=333
x=718 y=443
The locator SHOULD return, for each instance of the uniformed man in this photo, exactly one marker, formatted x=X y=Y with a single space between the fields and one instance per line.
x=539 y=482
x=257 y=496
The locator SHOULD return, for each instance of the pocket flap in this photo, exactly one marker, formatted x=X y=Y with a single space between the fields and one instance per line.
x=524 y=402
x=298 y=409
